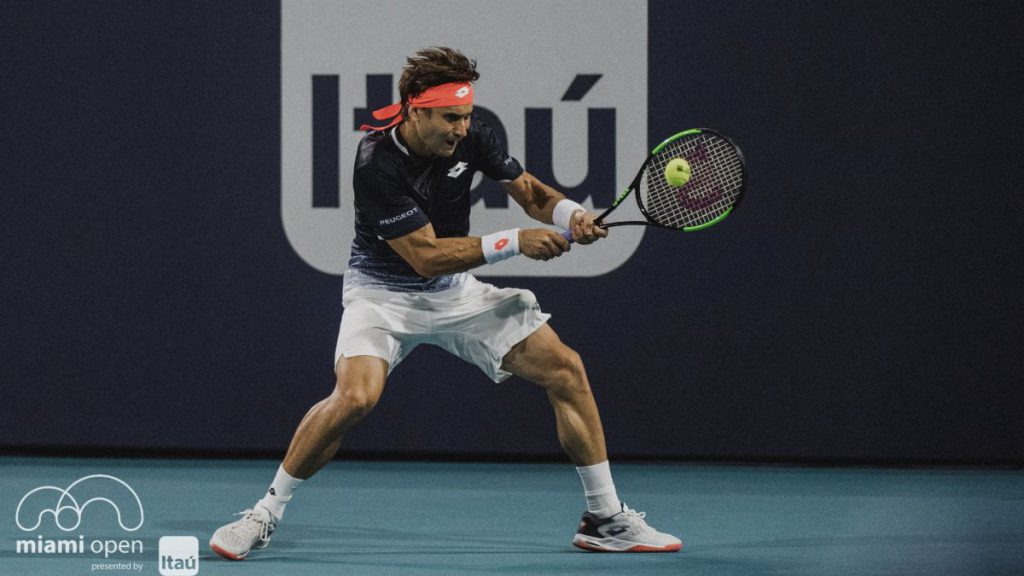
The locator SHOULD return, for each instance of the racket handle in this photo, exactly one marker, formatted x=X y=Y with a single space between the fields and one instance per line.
x=568 y=234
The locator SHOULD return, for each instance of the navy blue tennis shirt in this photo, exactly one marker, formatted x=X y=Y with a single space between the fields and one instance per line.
x=398 y=192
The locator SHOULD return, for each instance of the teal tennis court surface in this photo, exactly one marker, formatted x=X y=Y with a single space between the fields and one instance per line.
x=379 y=518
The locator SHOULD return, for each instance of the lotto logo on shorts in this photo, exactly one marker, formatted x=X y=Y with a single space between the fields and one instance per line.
x=579 y=124
x=179 y=556
x=501 y=244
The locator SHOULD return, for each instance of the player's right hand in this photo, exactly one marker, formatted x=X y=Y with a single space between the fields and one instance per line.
x=584 y=228
x=542 y=244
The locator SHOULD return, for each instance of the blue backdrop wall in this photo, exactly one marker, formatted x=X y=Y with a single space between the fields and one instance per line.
x=864 y=304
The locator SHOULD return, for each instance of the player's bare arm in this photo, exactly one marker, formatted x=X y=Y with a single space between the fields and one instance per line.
x=431 y=256
x=539 y=201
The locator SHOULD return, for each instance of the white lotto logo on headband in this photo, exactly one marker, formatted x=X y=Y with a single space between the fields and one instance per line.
x=578 y=123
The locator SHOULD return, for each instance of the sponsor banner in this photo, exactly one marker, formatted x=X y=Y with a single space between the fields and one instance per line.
x=570 y=101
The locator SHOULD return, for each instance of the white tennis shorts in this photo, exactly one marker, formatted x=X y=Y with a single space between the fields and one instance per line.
x=473 y=320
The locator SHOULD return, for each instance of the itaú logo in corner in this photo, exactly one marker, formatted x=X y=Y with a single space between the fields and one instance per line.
x=578 y=123
x=66 y=509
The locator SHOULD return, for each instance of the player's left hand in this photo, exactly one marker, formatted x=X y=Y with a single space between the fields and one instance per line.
x=584 y=230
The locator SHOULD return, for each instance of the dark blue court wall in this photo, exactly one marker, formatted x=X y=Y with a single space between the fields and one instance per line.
x=862 y=305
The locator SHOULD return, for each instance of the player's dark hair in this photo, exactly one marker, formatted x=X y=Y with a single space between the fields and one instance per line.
x=432 y=67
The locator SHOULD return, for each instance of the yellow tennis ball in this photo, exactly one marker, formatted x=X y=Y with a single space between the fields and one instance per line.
x=677 y=172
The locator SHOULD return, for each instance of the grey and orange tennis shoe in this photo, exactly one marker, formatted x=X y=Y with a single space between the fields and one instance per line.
x=624 y=532
x=234 y=541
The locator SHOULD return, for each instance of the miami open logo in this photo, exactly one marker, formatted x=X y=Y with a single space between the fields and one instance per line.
x=98 y=495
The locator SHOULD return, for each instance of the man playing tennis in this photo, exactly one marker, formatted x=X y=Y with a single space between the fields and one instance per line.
x=408 y=284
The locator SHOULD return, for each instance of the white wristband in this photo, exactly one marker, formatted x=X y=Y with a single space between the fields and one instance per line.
x=500 y=245
x=562 y=215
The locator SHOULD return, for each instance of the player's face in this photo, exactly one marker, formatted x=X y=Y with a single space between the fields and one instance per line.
x=439 y=130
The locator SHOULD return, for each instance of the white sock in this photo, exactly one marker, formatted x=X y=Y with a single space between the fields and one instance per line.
x=602 y=501
x=279 y=493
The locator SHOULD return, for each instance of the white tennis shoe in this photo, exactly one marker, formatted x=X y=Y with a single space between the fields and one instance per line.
x=234 y=541
x=626 y=531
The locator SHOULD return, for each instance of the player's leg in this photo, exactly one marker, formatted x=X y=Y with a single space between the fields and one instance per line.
x=543 y=359
x=608 y=525
x=359 y=384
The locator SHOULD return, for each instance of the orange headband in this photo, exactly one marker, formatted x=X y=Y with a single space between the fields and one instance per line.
x=451 y=94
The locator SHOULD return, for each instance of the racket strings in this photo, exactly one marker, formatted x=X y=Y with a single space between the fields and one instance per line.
x=714 y=187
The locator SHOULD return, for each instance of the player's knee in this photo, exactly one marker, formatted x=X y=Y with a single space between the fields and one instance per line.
x=355 y=397
x=569 y=376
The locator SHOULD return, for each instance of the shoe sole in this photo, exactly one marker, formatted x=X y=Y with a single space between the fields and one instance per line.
x=594 y=545
x=225 y=554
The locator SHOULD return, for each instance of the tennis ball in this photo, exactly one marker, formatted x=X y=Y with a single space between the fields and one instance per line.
x=677 y=172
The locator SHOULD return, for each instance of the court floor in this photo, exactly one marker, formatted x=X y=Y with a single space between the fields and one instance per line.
x=381 y=518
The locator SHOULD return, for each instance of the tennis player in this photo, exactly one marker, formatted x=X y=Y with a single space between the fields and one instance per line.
x=407 y=284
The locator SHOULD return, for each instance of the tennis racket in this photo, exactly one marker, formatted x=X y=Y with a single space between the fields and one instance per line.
x=667 y=199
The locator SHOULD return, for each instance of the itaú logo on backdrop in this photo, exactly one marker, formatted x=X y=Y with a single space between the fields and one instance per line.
x=578 y=122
